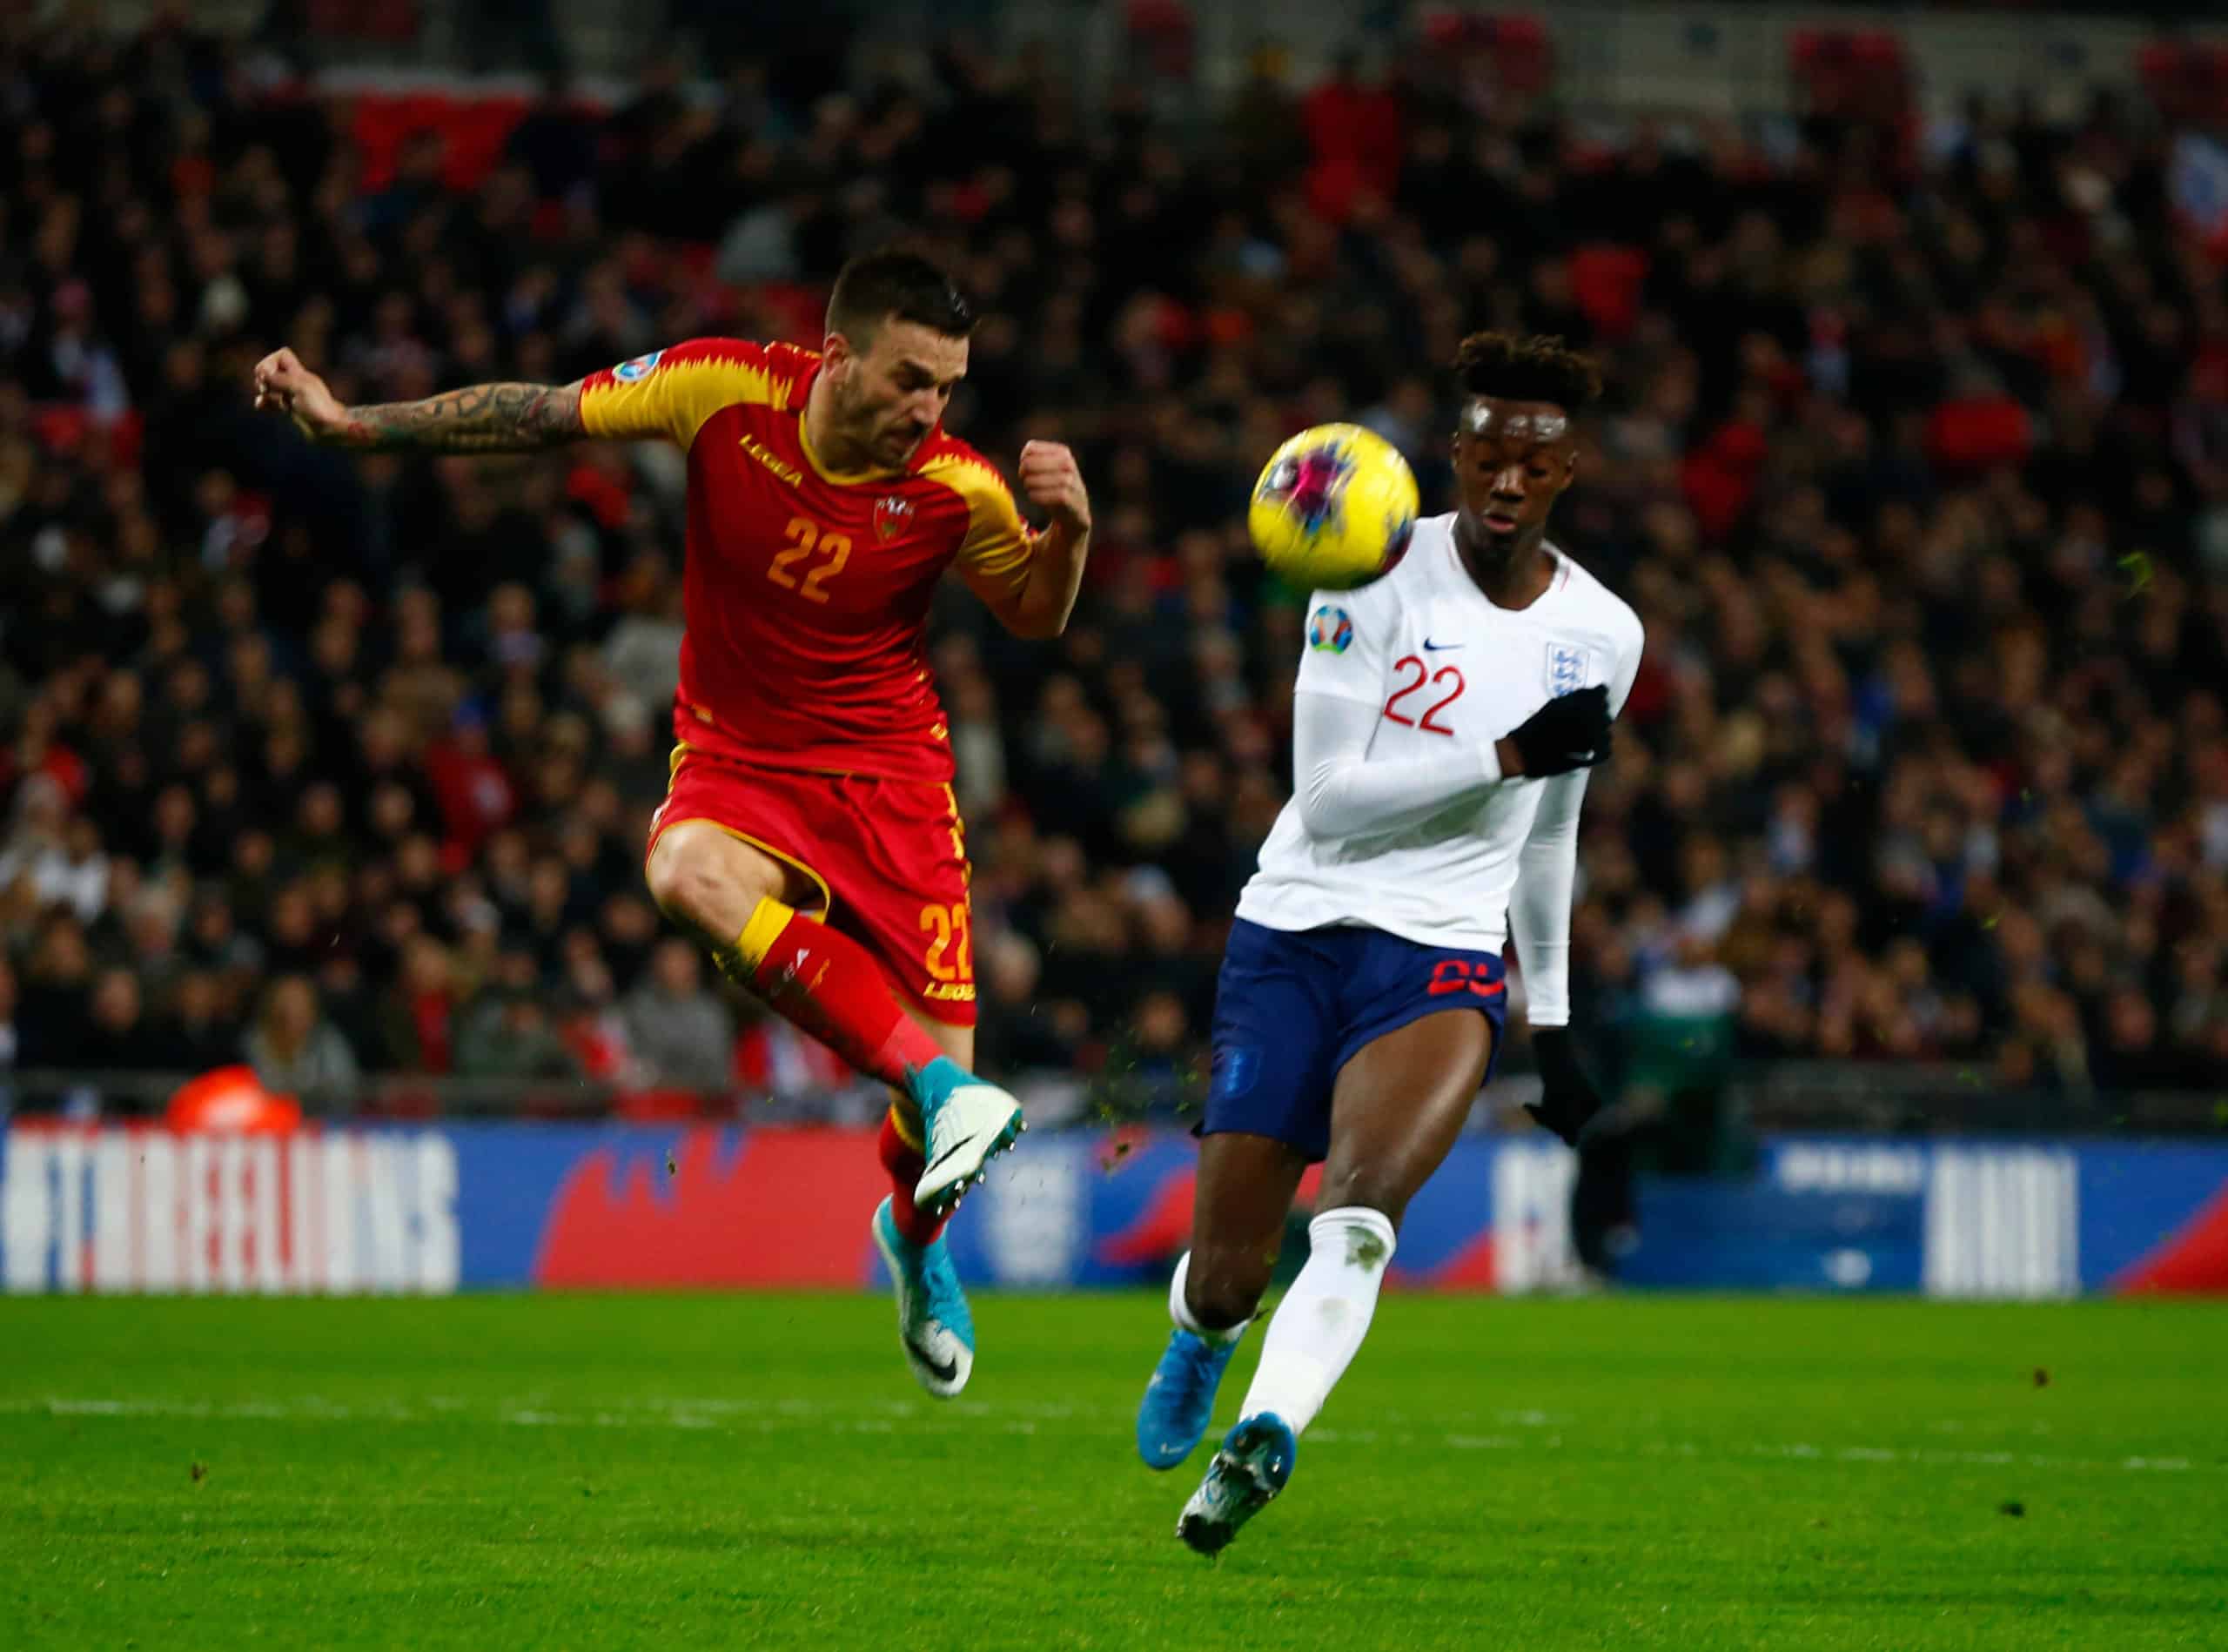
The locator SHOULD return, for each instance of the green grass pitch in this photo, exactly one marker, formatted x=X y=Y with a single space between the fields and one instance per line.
x=703 y=1471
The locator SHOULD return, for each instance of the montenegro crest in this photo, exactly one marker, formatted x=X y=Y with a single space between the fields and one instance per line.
x=893 y=514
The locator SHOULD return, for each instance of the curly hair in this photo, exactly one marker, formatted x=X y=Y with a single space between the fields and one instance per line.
x=1536 y=369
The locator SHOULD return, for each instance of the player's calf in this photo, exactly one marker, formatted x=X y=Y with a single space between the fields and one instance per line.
x=830 y=986
x=1319 y=1327
x=815 y=977
x=1372 y=1188
x=827 y=984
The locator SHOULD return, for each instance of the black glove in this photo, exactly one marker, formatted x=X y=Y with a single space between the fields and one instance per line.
x=1571 y=731
x=1568 y=1100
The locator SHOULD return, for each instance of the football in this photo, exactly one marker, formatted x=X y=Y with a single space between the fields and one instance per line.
x=1334 y=508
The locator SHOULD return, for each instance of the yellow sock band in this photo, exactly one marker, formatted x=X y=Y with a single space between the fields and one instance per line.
x=906 y=1121
x=768 y=919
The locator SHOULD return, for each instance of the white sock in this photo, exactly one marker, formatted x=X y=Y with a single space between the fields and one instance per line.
x=1180 y=1310
x=1319 y=1327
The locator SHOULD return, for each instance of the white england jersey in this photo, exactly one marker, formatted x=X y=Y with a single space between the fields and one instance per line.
x=1431 y=852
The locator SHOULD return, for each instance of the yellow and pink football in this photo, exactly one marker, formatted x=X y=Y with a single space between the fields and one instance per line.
x=1333 y=509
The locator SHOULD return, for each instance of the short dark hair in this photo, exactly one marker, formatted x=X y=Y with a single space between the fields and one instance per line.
x=893 y=282
x=1536 y=369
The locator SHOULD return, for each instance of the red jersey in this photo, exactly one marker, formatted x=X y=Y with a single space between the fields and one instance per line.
x=808 y=589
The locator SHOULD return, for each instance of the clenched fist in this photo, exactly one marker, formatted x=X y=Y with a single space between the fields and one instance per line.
x=1050 y=481
x=283 y=383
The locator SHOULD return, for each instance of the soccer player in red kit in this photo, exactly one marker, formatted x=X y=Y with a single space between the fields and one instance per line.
x=809 y=835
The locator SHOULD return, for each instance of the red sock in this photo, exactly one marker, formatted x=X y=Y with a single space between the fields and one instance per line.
x=829 y=985
x=904 y=1163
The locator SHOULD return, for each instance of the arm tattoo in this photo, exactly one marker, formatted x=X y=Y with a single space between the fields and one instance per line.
x=479 y=419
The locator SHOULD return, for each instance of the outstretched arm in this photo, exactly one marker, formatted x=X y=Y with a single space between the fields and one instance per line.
x=479 y=419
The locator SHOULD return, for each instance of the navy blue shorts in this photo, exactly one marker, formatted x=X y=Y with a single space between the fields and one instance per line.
x=1292 y=1007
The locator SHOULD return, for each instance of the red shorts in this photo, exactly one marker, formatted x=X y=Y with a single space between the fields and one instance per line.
x=887 y=857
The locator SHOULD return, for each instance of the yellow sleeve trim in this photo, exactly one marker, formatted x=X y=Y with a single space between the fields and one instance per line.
x=674 y=395
x=994 y=557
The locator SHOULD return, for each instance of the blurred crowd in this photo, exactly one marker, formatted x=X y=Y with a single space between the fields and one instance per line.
x=1915 y=463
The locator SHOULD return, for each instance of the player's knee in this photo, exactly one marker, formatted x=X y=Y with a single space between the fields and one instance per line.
x=677 y=876
x=696 y=878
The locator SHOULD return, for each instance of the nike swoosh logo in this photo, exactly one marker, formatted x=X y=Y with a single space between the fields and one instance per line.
x=956 y=1147
x=1439 y=647
x=945 y=1370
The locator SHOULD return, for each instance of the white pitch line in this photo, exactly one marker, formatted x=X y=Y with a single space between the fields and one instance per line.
x=907 y=1417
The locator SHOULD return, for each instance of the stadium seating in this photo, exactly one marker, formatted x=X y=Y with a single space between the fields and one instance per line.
x=1925 y=753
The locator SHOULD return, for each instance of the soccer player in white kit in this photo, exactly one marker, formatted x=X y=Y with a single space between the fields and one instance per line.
x=1443 y=723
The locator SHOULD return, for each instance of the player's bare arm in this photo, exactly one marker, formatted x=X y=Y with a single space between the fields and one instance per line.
x=1050 y=481
x=478 y=418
